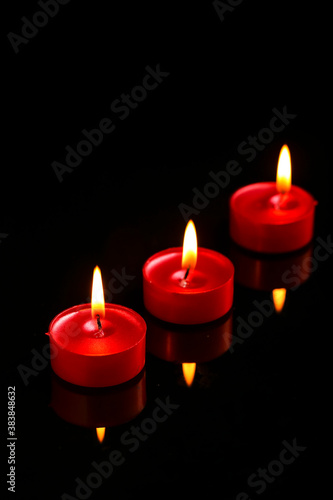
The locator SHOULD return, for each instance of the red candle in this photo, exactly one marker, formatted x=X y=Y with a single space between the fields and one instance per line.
x=188 y=285
x=97 y=345
x=273 y=217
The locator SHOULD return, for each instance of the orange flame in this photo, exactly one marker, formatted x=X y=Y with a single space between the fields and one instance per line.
x=283 y=174
x=190 y=247
x=189 y=372
x=97 y=295
x=279 y=297
x=100 y=431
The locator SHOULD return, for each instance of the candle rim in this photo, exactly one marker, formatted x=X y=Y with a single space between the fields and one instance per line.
x=311 y=202
x=185 y=291
x=140 y=322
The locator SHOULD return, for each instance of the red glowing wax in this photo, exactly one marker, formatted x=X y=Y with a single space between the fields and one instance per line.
x=84 y=356
x=207 y=296
x=263 y=220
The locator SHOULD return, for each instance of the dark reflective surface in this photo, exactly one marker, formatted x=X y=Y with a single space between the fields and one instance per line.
x=105 y=407
x=188 y=343
x=250 y=394
x=266 y=272
x=255 y=402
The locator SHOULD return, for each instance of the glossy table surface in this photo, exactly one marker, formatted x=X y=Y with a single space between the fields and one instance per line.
x=229 y=94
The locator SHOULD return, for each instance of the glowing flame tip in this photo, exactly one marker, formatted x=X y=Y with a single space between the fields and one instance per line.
x=283 y=174
x=190 y=247
x=97 y=295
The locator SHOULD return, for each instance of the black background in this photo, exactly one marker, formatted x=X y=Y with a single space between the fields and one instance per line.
x=121 y=204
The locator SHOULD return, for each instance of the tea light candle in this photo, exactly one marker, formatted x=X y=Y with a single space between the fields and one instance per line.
x=97 y=345
x=273 y=217
x=188 y=285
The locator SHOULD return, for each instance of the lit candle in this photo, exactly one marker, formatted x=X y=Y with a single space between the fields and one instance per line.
x=273 y=217
x=97 y=344
x=188 y=285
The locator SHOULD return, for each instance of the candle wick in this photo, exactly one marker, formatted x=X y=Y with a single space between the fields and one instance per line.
x=100 y=332
x=281 y=200
x=187 y=271
x=99 y=324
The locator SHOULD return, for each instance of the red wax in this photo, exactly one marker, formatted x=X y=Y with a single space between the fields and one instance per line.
x=208 y=295
x=263 y=220
x=83 y=357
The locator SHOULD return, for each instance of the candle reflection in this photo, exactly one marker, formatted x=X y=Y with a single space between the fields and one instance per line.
x=279 y=297
x=276 y=274
x=100 y=431
x=189 y=372
x=267 y=272
x=189 y=344
x=98 y=408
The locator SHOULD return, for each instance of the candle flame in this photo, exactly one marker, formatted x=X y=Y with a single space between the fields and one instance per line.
x=279 y=297
x=283 y=174
x=97 y=295
x=189 y=372
x=190 y=247
x=100 y=431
